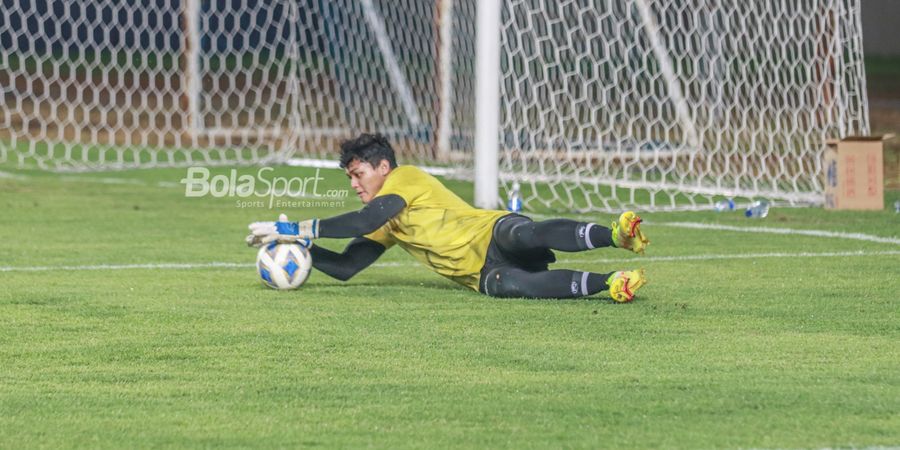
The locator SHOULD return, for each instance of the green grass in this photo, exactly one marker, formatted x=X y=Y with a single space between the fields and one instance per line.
x=790 y=352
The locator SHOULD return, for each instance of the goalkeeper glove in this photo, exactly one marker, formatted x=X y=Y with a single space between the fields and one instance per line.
x=283 y=232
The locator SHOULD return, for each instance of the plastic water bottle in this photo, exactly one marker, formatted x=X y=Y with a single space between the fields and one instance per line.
x=897 y=207
x=515 y=200
x=724 y=205
x=757 y=209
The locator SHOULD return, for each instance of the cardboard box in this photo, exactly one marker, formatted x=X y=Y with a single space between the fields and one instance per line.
x=854 y=173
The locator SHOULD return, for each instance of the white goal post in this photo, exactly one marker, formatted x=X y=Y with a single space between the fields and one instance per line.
x=588 y=105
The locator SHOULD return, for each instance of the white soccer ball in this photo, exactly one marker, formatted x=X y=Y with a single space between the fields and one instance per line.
x=283 y=266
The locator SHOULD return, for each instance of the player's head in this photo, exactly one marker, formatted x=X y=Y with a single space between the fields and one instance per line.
x=368 y=160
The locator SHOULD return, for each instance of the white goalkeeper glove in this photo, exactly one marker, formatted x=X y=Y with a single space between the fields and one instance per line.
x=262 y=233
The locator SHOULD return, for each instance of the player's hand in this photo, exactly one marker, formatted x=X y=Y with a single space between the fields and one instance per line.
x=282 y=231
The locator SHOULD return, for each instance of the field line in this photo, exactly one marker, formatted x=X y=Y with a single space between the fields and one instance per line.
x=651 y=259
x=714 y=257
x=759 y=229
x=12 y=176
x=786 y=231
x=209 y=265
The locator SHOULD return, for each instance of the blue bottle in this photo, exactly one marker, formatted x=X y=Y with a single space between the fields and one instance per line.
x=724 y=205
x=514 y=204
x=757 y=209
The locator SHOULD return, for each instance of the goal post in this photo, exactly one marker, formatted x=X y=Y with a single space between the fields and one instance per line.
x=589 y=105
x=487 y=104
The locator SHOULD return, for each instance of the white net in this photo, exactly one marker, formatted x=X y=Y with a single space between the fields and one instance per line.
x=106 y=84
x=666 y=104
x=605 y=104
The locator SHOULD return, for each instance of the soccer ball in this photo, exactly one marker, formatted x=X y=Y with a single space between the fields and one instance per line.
x=283 y=266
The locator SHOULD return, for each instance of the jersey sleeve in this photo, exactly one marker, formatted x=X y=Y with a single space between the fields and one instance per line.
x=358 y=223
x=382 y=237
x=358 y=255
x=406 y=182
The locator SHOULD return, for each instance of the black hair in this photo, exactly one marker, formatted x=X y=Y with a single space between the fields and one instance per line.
x=370 y=148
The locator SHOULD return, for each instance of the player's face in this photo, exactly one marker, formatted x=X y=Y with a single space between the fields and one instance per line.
x=366 y=179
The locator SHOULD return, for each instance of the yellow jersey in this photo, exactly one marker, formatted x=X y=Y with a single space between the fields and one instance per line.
x=437 y=227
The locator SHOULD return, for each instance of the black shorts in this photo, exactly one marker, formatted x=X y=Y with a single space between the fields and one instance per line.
x=498 y=257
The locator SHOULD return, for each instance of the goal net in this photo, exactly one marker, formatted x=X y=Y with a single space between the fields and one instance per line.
x=107 y=84
x=604 y=104
x=668 y=104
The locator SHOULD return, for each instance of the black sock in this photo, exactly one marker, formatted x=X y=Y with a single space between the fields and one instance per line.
x=588 y=283
x=514 y=282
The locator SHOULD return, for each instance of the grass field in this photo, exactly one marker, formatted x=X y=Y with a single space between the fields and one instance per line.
x=742 y=339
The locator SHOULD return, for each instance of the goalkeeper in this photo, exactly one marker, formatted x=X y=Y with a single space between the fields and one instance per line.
x=493 y=252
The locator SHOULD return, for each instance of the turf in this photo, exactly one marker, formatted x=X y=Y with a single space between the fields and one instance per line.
x=753 y=352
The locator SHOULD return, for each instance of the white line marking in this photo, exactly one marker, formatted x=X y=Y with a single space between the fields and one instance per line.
x=735 y=256
x=127 y=181
x=126 y=267
x=227 y=265
x=104 y=180
x=816 y=233
x=711 y=226
x=13 y=176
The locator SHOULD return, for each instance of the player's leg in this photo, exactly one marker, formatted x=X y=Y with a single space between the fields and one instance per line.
x=519 y=234
x=515 y=282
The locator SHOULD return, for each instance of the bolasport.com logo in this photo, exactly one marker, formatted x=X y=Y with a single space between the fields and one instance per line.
x=264 y=189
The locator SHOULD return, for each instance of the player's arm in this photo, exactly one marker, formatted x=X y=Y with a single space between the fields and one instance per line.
x=359 y=254
x=359 y=223
x=353 y=224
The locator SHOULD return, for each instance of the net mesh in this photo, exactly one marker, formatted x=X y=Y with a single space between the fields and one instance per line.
x=605 y=104
x=669 y=104
x=104 y=84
